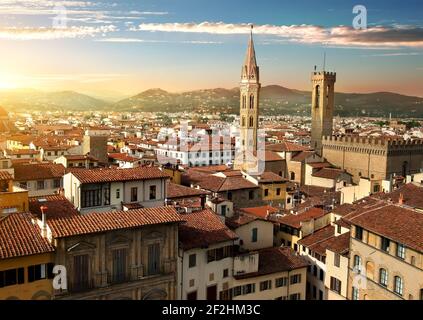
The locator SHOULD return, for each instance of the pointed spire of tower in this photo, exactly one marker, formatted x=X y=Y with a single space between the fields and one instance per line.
x=250 y=69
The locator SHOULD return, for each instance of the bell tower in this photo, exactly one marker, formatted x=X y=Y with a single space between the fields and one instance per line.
x=322 y=105
x=249 y=105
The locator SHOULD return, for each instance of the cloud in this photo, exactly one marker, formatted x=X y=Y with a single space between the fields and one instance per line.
x=394 y=54
x=43 y=33
x=137 y=40
x=393 y=36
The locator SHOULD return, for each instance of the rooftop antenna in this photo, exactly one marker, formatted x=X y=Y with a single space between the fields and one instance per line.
x=324 y=61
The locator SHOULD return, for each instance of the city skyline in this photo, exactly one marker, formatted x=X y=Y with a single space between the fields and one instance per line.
x=120 y=49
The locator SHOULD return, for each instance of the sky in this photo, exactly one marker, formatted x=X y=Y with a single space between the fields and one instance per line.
x=118 y=48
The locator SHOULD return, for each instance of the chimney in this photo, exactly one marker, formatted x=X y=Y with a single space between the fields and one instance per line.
x=43 y=221
x=267 y=214
x=401 y=199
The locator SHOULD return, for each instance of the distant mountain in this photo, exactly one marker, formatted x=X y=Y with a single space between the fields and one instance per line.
x=28 y=99
x=274 y=100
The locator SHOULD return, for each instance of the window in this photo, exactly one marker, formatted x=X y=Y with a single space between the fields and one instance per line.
x=337 y=260
x=281 y=282
x=153 y=259
x=295 y=296
x=248 y=288
x=117 y=193
x=251 y=195
x=11 y=277
x=119 y=262
x=335 y=285
x=357 y=263
x=315 y=271
x=225 y=273
x=254 y=233
x=317 y=97
x=383 y=277
x=56 y=183
x=192 y=261
x=91 y=196
x=265 y=285
x=296 y=278
x=321 y=275
x=400 y=251
x=230 y=196
x=385 y=244
x=278 y=191
x=251 y=102
x=237 y=291
x=358 y=233
x=40 y=271
x=153 y=190
x=134 y=194
x=398 y=285
x=251 y=122
x=354 y=293
x=421 y=294
x=338 y=229
x=40 y=185
x=266 y=192
x=106 y=192
x=320 y=295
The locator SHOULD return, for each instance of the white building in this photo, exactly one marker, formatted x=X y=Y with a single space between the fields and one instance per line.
x=113 y=189
x=205 y=262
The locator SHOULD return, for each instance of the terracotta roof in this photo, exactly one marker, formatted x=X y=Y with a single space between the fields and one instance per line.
x=269 y=177
x=4 y=175
x=22 y=151
x=286 y=146
x=302 y=156
x=340 y=244
x=412 y=195
x=318 y=236
x=123 y=157
x=239 y=220
x=294 y=220
x=397 y=223
x=75 y=157
x=203 y=228
x=260 y=212
x=28 y=172
x=268 y=156
x=318 y=165
x=116 y=175
x=57 y=207
x=20 y=237
x=215 y=183
x=98 y=222
x=175 y=191
x=343 y=209
x=276 y=259
x=328 y=173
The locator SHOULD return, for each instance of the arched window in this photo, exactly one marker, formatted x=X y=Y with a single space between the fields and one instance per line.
x=243 y=122
x=252 y=102
x=251 y=122
x=383 y=277
x=398 y=285
x=357 y=263
x=244 y=101
x=317 y=101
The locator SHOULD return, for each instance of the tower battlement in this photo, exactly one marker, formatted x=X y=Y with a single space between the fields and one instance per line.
x=371 y=141
x=323 y=75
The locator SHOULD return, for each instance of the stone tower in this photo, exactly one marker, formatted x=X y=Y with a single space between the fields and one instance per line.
x=322 y=105
x=249 y=104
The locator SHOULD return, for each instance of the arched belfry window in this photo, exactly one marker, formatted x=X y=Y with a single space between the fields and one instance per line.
x=317 y=102
x=251 y=122
x=252 y=102
x=244 y=101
